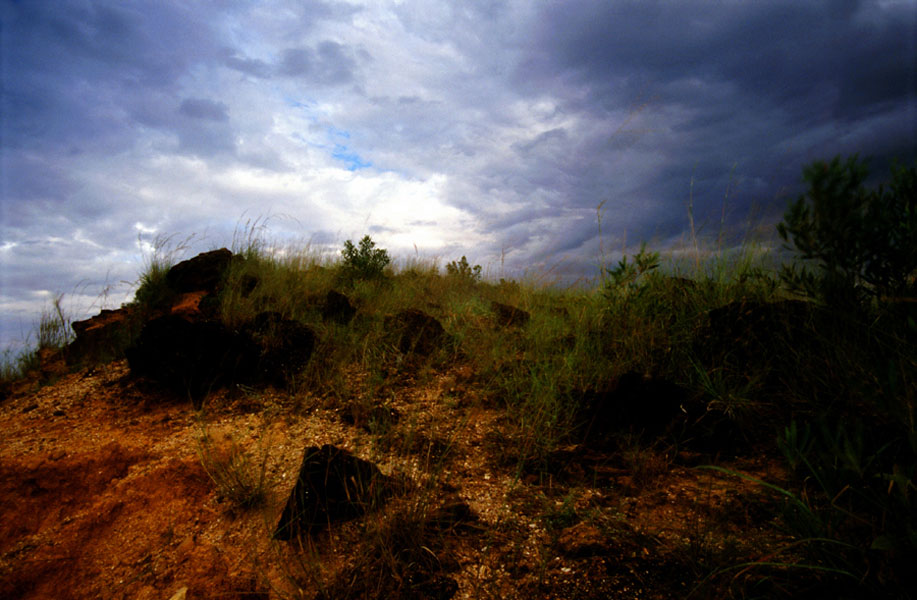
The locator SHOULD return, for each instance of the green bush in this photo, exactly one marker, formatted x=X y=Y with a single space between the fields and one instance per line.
x=863 y=242
x=462 y=270
x=628 y=276
x=365 y=262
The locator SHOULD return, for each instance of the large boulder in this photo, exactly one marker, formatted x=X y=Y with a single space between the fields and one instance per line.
x=193 y=357
x=203 y=272
x=635 y=403
x=103 y=336
x=285 y=346
x=415 y=332
x=192 y=294
x=338 y=308
x=509 y=316
x=333 y=486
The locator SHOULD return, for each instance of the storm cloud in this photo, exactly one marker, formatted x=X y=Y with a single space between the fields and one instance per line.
x=491 y=130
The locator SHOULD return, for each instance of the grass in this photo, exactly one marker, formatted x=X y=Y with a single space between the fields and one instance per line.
x=787 y=387
x=239 y=477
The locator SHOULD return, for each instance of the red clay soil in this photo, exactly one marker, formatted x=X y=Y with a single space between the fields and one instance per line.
x=103 y=495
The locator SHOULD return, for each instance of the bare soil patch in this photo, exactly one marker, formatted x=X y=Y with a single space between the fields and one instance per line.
x=104 y=495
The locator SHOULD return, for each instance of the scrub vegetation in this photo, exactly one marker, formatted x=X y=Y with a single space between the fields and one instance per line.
x=796 y=386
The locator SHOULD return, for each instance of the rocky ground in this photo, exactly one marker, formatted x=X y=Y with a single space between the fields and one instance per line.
x=106 y=492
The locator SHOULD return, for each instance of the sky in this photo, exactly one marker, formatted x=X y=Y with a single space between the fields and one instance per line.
x=489 y=129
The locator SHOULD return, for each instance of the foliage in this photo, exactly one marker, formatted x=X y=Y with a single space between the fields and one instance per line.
x=462 y=270
x=237 y=476
x=53 y=326
x=53 y=332
x=628 y=275
x=864 y=512
x=153 y=290
x=863 y=242
x=366 y=262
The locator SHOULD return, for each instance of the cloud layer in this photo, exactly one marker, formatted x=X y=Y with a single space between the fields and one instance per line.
x=487 y=129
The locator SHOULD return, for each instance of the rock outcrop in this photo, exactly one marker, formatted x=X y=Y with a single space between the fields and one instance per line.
x=338 y=308
x=332 y=486
x=509 y=316
x=415 y=332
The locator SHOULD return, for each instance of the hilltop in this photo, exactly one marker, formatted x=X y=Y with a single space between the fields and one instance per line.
x=258 y=423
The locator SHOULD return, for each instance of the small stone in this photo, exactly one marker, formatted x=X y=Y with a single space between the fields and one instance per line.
x=581 y=540
x=181 y=594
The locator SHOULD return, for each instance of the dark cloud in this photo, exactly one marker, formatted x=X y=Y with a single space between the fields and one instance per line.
x=68 y=67
x=201 y=108
x=493 y=130
x=724 y=89
x=249 y=66
x=328 y=64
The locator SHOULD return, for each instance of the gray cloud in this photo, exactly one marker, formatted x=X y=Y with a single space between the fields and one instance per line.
x=492 y=130
x=201 y=108
x=328 y=64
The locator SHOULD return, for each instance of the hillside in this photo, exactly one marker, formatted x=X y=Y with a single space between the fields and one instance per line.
x=438 y=436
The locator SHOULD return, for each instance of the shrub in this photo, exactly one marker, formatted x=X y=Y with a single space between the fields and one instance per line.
x=626 y=275
x=462 y=270
x=365 y=262
x=863 y=242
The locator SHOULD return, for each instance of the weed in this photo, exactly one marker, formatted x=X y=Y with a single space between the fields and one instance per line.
x=53 y=326
x=238 y=477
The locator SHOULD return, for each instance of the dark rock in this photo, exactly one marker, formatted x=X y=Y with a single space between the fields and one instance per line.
x=581 y=540
x=247 y=285
x=453 y=514
x=103 y=336
x=285 y=346
x=192 y=283
x=439 y=587
x=509 y=316
x=209 y=306
x=414 y=331
x=192 y=357
x=773 y=336
x=195 y=356
x=203 y=272
x=332 y=486
x=338 y=308
x=755 y=327
x=644 y=405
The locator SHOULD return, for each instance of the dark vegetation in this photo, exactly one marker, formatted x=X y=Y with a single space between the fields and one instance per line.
x=815 y=364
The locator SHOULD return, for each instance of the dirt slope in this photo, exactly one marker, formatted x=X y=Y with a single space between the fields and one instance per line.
x=103 y=495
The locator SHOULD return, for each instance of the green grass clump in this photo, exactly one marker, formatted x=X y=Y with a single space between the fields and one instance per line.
x=238 y=477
